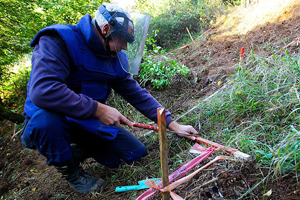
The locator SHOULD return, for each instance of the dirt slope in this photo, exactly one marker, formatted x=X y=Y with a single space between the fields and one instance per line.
x=25 y=176
x=219 y=52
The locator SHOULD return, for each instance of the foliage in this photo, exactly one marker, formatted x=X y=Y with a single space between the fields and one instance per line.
x=21 y=20
x=172 y=17
x=259 y=112
x=16 y=27
x=157 y=67
x=233 y=2
x=13 y=90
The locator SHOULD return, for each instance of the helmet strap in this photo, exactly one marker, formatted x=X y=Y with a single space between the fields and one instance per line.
x=106 y=40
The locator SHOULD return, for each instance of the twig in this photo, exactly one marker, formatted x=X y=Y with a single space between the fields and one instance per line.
x=202 y=101
x=190 y=34
x=16 y=133
x=204 y=33
x=193 y=41
x=206 y=183
x=296 y=40
x=250 y=190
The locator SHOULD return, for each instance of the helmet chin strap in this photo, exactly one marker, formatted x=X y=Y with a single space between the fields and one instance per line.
x=106 y=40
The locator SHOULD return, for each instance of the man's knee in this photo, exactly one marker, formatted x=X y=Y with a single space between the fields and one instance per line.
x=134 y=155
x=49 y=133
x=45 y=126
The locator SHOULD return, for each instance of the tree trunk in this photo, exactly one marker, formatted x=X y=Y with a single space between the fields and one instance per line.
x=7 y=114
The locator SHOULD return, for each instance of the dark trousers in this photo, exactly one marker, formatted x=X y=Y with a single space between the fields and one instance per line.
x=51 y=134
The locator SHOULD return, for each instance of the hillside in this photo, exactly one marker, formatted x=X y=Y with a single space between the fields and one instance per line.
x=265 y=29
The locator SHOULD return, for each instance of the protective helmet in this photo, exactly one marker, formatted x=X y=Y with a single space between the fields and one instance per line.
x=119 y=28
x=131 y=27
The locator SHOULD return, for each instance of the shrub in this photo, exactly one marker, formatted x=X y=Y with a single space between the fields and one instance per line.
x=157 y=68
x=171 y=17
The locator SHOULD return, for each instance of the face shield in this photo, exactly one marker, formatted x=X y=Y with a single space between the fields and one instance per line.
x=128 y=36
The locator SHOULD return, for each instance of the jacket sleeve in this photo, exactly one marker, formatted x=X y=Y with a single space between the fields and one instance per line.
x=48 y=89
x=140 y=98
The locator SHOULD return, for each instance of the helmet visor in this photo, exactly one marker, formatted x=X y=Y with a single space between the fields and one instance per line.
x=134 y=50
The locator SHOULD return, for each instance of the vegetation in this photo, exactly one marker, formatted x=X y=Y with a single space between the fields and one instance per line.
x=21 y=20
x=259 y=112
x=177 y=15
x=262 y=100
x=157 y=68
x=13 y=91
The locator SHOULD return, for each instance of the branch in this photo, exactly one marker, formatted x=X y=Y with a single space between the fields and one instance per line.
x=11 y=116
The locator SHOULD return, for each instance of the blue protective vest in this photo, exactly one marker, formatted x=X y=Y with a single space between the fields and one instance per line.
x=91 y=71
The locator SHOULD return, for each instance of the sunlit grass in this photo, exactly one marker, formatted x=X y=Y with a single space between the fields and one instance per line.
x=243 y=19
x=258 y=112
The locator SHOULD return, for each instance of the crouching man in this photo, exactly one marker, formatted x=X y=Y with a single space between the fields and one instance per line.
x=74 y=68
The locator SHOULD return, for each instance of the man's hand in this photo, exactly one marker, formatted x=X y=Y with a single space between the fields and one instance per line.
x=174 y=126
x=111 y=116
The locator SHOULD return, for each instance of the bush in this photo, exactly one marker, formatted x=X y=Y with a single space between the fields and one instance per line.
x=171 y=17
x=13 y=87
x=157 y=68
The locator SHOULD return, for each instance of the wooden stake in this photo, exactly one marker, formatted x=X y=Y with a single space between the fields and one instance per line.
x=163 y=146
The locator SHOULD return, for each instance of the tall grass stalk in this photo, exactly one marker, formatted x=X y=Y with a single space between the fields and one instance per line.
x=259 y=112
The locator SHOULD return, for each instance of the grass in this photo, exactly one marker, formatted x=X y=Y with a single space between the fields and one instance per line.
x=259 y=112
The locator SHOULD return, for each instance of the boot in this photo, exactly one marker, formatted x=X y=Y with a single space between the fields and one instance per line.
x=79 y=179
x=78 y=153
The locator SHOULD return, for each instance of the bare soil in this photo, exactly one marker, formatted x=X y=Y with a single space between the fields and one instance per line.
x=24 y=174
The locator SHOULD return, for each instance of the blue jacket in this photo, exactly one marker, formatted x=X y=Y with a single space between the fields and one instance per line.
x=71 y=72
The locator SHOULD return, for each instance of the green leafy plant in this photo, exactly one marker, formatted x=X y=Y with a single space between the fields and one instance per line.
x=157 y=68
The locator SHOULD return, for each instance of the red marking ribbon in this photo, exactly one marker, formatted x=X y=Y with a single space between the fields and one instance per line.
x=180 y=172
x=242 y=52
x=155 y=128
